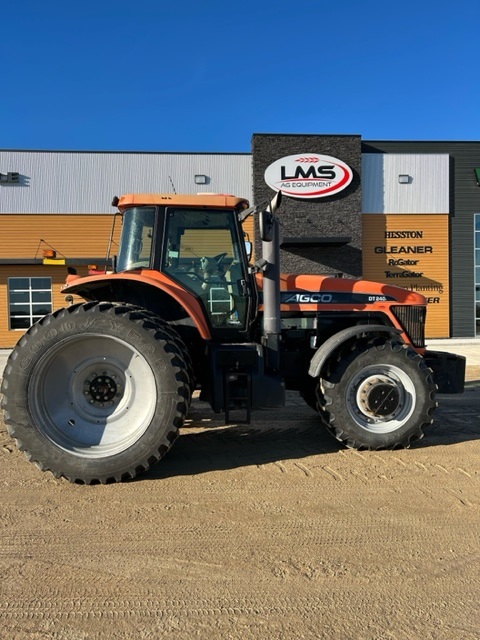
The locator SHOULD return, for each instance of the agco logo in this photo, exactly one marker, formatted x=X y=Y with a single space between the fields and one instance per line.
x=308 y=175
x=306 y=298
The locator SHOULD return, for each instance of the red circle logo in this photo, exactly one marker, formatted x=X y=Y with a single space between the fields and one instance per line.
x=308 y=175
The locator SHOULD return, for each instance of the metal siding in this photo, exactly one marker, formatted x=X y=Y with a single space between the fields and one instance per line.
x=72 y=236
x=428 y=191
x=76 y=182
x=373 y=180
x=464 y=203
x=429 y=275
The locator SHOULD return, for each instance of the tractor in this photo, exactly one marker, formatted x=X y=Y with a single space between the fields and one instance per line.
x=97 y=391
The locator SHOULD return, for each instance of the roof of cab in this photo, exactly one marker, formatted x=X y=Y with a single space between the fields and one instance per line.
x=207 y=200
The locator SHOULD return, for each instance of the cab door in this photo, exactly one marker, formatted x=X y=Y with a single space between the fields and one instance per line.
x=205 y=252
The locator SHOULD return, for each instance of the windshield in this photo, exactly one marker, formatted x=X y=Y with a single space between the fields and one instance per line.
x=202 y=251
x=137 y=239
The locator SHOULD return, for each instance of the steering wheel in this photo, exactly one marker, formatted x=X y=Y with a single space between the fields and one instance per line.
x=220 y=258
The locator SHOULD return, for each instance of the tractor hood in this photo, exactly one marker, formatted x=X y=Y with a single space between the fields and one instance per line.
x=315 y=289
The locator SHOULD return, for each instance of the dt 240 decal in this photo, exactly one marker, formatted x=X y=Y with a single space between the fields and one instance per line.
x=335 y=297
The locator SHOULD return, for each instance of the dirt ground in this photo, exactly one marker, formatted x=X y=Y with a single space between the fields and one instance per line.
x=268 y=531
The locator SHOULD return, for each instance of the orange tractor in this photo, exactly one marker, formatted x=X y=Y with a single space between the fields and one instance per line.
x=97 y=391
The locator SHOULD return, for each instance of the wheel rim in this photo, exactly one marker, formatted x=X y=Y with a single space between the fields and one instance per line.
x=92 y=396
x=381 y=398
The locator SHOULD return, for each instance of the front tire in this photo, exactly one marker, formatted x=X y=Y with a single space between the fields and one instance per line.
x=378 y=395
x=95 y=392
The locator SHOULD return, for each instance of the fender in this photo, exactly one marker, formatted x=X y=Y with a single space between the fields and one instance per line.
x=335 y=341
x=85 y=287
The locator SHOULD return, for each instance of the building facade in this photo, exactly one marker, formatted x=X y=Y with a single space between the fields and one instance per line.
x=405 y=213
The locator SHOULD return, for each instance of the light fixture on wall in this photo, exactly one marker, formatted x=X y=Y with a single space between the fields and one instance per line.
x=200 y=178
x=404 y=178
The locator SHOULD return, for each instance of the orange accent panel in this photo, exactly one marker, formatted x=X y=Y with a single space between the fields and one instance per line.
x=412 y=251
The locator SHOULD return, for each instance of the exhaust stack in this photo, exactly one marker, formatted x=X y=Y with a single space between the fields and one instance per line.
x=270 y=236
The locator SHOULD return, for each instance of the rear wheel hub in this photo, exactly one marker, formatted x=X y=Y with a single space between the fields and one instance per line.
x=102 y=388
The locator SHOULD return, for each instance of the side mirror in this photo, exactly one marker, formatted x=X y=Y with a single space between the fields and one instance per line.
x=248 y=249
x=266 y=223
x=275 y=202
x=267 y=218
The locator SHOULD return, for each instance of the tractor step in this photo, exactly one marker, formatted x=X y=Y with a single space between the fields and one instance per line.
x=237 y=389
x=238 y=381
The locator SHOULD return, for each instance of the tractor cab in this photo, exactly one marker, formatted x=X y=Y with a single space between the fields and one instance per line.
x=199 y=245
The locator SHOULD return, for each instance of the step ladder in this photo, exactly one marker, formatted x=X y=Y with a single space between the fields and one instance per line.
x=237 y=390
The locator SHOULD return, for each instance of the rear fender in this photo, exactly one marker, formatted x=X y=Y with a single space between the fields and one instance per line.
x=335 y=342
x=140 y=289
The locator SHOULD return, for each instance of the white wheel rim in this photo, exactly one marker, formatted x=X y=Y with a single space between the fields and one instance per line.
x=93 y=395
x=381 y=398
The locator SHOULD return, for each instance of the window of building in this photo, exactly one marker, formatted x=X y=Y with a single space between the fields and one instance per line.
x=29 y=299
x=477 y=273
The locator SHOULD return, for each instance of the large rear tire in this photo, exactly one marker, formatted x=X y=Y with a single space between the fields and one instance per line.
x=176 y=339
x=378 y=395
x=95 y=392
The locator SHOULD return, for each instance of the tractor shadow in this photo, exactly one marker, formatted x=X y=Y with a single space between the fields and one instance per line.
x=293 y=433
x=207 y=444
x=457 y=418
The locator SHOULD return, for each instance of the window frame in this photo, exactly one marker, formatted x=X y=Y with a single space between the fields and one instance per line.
x=209 y=298
x=31 y=316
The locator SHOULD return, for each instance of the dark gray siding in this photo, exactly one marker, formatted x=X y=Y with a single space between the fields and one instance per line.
x=464 y=203
x=335 y=216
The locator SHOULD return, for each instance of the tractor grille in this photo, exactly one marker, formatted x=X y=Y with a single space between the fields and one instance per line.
x=412 y=320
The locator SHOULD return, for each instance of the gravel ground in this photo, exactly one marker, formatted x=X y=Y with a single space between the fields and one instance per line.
x=267 y=531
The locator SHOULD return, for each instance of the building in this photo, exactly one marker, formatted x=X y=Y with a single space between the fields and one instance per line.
x=404 y=213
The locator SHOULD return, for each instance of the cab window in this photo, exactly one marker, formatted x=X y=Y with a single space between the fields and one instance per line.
x=202 y=253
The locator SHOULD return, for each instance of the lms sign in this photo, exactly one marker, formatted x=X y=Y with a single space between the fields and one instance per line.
x=308 y=175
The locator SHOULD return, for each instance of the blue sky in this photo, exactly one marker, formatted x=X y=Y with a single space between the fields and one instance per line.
x=205 y=75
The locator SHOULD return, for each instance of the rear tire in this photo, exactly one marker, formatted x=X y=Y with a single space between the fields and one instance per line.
x=95 y=392
x=378 y=395
x=176 y=339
